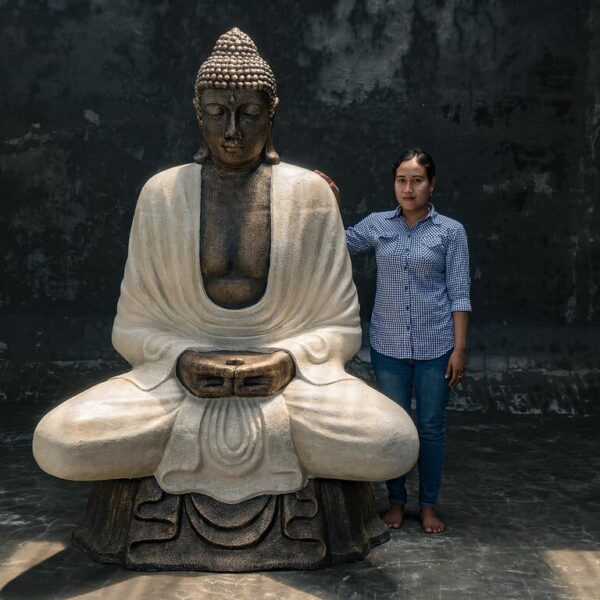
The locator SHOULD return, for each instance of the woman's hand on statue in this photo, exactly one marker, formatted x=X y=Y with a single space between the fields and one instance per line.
x=334 y=188
x=457 y=367
x=221 y=374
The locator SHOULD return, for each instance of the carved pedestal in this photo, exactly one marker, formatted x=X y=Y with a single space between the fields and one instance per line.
x=132 y=522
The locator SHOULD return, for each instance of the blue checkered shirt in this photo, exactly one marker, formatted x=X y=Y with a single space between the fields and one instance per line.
x=422 y=278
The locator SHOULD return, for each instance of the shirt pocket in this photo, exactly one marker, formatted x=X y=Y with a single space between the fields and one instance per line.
x=386 y=253
x=386 y=244
x=431 y=252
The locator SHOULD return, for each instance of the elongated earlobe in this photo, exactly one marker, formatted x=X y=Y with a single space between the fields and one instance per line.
x=201 y=155
x=271 y=155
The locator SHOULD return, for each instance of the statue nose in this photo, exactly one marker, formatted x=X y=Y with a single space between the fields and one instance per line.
x=233 y=128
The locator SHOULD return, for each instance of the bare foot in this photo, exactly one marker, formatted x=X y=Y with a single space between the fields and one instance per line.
x=394 y=517
x=430 y=522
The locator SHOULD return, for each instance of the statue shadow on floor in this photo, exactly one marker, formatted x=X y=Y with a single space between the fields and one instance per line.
x=340 y=528
x=66 y=574
x=70 y=573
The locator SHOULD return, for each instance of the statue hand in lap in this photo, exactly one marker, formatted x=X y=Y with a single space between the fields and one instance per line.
x=223 y=374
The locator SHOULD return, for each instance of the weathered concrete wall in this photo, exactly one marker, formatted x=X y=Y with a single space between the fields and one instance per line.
x=96 y=97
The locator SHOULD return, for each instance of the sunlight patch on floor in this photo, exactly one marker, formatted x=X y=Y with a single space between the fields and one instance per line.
x=579 y=569
x=26 y=556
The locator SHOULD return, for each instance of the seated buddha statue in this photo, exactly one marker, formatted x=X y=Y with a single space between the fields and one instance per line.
x=237 y=314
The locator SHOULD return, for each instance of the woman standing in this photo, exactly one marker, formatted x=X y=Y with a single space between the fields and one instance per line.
x=419 y=323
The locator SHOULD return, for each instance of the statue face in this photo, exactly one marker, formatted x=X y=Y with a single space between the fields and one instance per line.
x=235 y=126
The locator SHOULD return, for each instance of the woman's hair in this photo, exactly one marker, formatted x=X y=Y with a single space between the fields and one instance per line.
x=423 y=158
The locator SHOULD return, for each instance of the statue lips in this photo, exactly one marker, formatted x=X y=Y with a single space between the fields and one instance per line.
x=232 y=147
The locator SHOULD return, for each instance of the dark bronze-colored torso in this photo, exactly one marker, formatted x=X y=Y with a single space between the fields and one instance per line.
x=235 y=235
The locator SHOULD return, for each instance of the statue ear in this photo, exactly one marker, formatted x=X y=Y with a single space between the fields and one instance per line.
x=198 y=109
x=271 y=156
x=201 y=155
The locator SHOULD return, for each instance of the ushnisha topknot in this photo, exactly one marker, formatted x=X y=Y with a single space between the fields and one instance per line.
x=235 y=64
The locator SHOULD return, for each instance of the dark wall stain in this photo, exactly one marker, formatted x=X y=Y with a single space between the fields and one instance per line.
x=96 y=97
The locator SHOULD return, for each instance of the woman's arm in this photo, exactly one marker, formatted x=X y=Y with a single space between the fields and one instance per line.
x=361 y=237
x=457 y=363
x=458 y=283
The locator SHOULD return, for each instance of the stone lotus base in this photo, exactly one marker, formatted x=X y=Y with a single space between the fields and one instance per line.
x=133 y=523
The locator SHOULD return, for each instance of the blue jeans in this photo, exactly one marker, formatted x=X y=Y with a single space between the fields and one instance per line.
x=397 y=378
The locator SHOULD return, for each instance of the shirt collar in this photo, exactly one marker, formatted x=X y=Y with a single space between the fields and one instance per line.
x=433 y=215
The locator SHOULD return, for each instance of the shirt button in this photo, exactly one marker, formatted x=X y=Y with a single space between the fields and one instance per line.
x=405 y=267
x=408 y=308
x=405 y=288
x=407 y=327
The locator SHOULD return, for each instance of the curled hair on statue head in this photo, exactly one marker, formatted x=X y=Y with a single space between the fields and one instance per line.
x=235 y=64
x=423 y=158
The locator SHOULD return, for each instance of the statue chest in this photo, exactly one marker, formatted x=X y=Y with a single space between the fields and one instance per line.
x=235 y=238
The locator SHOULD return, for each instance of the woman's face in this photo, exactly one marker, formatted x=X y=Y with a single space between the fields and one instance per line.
x=412 y=186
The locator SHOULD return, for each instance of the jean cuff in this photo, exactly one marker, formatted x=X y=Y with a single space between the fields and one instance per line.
x=427 y=504
x=397 y=501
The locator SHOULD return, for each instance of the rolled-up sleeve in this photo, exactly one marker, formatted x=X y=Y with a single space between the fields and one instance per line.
x=360 y=238
x=458 y=279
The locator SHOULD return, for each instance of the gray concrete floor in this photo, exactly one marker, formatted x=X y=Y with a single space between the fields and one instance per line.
x=521 y=498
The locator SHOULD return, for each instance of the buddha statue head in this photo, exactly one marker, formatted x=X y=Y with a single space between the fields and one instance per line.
x=235 y=97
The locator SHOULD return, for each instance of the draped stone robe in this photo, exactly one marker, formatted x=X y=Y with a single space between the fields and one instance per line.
x=325 y=423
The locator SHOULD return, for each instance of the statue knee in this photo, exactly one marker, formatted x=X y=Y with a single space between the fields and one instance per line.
x=399 y=443
x=60 y=445
x=390 y=442
x=53 y=446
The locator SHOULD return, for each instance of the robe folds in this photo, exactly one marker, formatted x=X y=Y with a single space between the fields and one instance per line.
x=309 y=308
x=232 y=448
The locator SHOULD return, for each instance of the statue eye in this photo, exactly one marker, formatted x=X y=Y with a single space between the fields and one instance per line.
x=252 y=110
x=214 y=110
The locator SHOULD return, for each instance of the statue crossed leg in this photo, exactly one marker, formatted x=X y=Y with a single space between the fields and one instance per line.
x=115 y=430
